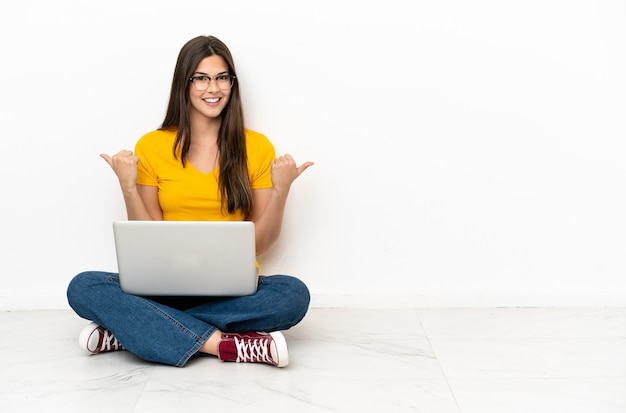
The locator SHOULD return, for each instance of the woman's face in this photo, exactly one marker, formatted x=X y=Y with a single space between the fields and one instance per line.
x=213 y=96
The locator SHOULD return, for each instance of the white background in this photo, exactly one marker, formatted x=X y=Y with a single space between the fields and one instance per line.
x=467 y=153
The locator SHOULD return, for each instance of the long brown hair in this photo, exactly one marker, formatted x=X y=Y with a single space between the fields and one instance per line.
x=233 y=181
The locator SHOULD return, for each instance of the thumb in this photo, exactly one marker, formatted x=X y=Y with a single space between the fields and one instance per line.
x=107 y=158
x=303 y=167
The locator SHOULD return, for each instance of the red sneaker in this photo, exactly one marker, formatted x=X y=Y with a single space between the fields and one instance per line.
x=254 y=348
x=95 y=339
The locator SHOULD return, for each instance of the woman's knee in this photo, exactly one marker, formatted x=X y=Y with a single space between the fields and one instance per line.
x=86 y=283
x=295 y=293
x=288 y=284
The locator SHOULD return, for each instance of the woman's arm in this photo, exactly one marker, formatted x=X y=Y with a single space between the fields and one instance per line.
x=142 y=202
x=269 y=204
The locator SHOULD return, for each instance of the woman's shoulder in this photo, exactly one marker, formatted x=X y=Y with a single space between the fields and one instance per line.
x=158 y=137
x=260 y=151
x=160 y=134
x=257 y=141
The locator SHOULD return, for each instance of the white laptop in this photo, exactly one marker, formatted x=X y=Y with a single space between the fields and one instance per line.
x=186 y=258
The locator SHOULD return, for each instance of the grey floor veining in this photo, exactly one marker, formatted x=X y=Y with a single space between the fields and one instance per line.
x=342 y=360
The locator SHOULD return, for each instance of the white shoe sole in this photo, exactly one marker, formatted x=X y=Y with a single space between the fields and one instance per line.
x=281 y=348
x=83 y=338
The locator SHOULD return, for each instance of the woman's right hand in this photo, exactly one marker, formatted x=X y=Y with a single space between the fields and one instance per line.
x=124 y=164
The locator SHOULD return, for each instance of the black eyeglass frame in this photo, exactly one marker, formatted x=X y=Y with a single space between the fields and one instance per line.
x=232 y=79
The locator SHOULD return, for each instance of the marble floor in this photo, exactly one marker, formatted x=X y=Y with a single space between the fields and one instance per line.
x=500 y=360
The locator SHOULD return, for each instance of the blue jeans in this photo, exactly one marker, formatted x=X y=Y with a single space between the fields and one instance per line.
x=170 y=330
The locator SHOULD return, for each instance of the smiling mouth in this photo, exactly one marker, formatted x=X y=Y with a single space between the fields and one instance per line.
x=212 y=100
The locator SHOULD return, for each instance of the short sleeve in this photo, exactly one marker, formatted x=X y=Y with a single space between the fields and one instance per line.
x=260 y=153
x=153 y=149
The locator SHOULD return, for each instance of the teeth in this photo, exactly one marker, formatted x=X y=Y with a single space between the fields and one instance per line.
x=212 y=100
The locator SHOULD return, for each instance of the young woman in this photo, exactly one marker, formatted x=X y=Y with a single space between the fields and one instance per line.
x=202 y=164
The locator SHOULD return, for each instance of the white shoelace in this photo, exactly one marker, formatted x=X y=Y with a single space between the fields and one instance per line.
x=253 y=350
x=109 y=340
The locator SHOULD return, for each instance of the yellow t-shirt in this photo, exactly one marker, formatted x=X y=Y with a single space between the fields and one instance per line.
x=186 y=194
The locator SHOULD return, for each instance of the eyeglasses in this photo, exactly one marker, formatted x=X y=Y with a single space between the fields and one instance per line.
x=201 y=82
